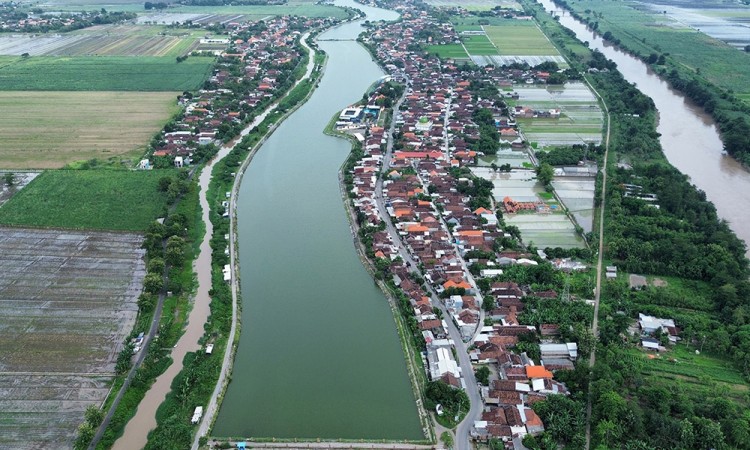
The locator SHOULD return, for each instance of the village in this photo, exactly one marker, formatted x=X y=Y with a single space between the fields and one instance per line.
x=435 y=231
x=256 y=68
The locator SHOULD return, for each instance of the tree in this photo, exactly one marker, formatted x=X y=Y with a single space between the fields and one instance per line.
x=10 y=178
x=488 y=303
x=153 y=283
x=94 y=415
x=85 y=435
x=483 y=375
x=447 y=439
x=545 y=173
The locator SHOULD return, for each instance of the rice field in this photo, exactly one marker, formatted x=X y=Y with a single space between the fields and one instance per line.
x=580 y=120
x=104 y=40
x=578 y=196
x=520 y=38
x=45 y=130
x=478 y=45
x=543 y=230
x=68 y=302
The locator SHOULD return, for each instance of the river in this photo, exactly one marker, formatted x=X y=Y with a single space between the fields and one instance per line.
x=689 y=136
x=319 y=355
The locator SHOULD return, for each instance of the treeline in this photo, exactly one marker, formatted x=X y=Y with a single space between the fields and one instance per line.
x=570 y=155
x=683 y=237
x=56 y=24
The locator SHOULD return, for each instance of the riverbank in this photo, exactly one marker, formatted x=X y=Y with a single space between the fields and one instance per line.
x=415 y=367
x=293 y=245
x=313 y=75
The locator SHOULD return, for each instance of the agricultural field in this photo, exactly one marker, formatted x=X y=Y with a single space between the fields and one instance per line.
x=478 y=45
x=475 y=5
x=118 y=200
x=682 y=365
x=498 y=41
x=102 y=73
x=45 y=130
x=520 y=38
x=68 y=299
x=19 y=181
x=552 y=229
x=644 y=31
x=105 y=40
x=453 y=51
x=580 y=120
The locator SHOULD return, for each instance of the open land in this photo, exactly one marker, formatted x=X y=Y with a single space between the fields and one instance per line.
x=88 y=199
x=51 y=129
x=105 y=40
x=102 y=73
x=68 y=302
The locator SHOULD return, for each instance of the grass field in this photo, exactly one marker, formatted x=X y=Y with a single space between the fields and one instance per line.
x=48 y=130
x=102 y=73
x=88 y=199
x=68 y=300
x=518 y=37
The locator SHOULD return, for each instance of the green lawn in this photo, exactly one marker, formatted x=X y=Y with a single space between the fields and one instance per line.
x=102 y=73
x=88 y=199
x=478 y=45
x=448 y=51
x=516 y=37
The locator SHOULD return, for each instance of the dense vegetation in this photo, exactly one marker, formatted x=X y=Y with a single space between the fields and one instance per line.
x=683 y=237
x=88 y=199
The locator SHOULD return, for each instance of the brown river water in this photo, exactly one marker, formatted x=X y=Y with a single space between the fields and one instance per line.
x=689 y=136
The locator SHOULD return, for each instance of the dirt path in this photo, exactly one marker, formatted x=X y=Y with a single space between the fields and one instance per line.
x=136 y=431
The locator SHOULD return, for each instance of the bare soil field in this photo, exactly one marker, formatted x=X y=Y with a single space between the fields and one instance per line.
x=45 y=130
x=67 y=302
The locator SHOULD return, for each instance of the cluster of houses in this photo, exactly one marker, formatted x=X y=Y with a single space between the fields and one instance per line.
x=245 y=80
x=417 y=186
x=14 y=18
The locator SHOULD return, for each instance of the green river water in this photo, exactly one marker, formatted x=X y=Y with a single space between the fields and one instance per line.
x=319 y=354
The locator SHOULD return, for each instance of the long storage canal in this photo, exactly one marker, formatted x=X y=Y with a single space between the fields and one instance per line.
x=319 y=354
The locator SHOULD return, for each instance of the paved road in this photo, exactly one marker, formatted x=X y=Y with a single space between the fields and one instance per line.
x=462 y=441
x=213 y=405
x=336 y=445
x=597 y=295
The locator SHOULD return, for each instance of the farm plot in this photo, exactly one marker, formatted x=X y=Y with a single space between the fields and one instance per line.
x=88 y=199
x=478 y=45
x=18 y=182
x=105 y=41
x=544 y=230
x=520 y=37
x=580 y=119
x=102 y=73
x=578 y=196
x=51 y=129
x=453 y=51
x=68 y=300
